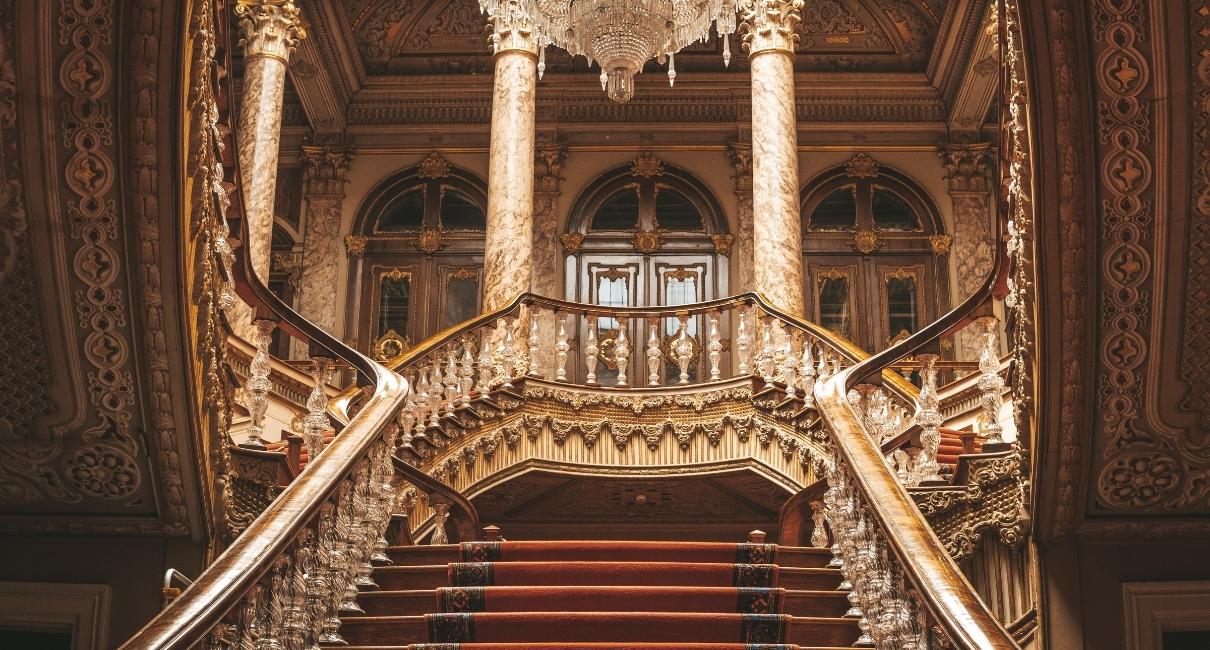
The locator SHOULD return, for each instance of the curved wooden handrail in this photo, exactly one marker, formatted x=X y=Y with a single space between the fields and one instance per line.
x=219 y=588
x=851 y=352
x=945 y=590
x=465 y=516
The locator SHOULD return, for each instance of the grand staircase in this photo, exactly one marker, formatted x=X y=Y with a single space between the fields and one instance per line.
x=587 y=594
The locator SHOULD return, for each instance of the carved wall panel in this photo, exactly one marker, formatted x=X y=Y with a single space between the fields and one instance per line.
x=111 y=450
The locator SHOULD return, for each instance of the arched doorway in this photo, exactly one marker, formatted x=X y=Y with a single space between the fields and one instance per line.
x=873 y=247
x=421 y=231
x=642 y=234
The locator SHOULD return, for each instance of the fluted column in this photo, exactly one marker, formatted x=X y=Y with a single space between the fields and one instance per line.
x=741 y=267
x=269 y=32
x=968 y=170
x=508 y=250
x=769 y=39
x=324 y=176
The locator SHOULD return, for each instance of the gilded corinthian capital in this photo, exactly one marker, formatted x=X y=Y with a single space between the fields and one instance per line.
x=770 y=25
x=269 y=28
x=512 y=29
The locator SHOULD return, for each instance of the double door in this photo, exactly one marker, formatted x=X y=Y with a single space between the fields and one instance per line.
x=873 y=300
x=613 y=280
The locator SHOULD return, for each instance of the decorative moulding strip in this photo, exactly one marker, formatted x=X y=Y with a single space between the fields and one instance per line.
x=82 y=609
x=1152 y=608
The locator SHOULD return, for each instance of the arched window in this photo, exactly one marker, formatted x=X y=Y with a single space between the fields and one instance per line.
x=645 y=233
x=873 y=244
x=417 y=243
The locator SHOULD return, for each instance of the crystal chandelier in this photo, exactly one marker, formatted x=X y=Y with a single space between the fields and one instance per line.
x=620 y=35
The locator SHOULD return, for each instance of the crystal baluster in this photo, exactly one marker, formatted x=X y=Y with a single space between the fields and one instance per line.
x=714 y=347
x=683 y=348
x=501 y=363
x=781 y=346
x=561 y=349
x=485 y=362
x=294 y=612
x=929 y=418
x=653 y=354
x=808 y=374
x=348 y=567
x=764 y=363
x=315 y=424
x=466 y=371
x=743 y=340
x=436 y=390
x=590 y=353
x=819 y=533
x=364 y=487
x=621 y=350
x=335 y=544
x=991 y=384
x=258 y=384
x=453 y=384
x=533 y=371
x=318 y=596
x=789 y=370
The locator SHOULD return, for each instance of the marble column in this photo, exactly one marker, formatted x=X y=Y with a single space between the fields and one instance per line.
x=769 y=39
x=968 y=170
x=742 y=254
x=269 y=32
x=325 y=170
x=508 y=250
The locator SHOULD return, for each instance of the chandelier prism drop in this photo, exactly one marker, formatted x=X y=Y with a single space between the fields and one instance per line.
x=619 y=35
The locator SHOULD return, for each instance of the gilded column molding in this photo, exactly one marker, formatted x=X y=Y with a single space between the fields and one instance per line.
x=269 y=32
x=741 y=251
x=508 y=249
x=324 y=176
x=769 y=39
x=968 y=170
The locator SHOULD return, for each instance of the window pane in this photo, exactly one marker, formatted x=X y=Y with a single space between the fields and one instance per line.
x=618 y=212
x=838 y=211
x=461 y=299
x=394 y=298
x=459 y=213
x=405 y=213
x=674 y=212
x=612 y=291
x=834 y=305
x=901 y=306
x=892 y=212
x=679 y=289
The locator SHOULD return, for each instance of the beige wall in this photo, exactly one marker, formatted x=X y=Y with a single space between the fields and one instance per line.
x=133 y=567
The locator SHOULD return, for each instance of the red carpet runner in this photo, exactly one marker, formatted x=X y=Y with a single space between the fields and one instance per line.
x=596 y=595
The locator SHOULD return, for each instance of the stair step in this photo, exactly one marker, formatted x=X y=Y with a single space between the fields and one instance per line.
x=792 y=556
x=415 y=602
x=689 y=574
x=598 y=646
x=645 y=627
x=810 y=579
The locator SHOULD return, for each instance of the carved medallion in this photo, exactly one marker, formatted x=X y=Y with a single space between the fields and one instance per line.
x=434 y=166
x=431 y=240
x=646 y=166
x=861 y=165
x=941 y=243
x=865 y=241
x=647 y=241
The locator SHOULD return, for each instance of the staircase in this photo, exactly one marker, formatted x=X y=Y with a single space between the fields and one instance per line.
x=584 y=594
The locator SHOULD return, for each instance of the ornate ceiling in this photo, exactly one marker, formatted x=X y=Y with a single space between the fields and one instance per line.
x=447 y=36
x=925 y=68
